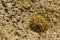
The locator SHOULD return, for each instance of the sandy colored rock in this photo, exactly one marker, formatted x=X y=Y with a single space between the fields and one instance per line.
x=14 y=15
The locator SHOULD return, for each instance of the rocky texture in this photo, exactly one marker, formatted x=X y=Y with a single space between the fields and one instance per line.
x=14 y=15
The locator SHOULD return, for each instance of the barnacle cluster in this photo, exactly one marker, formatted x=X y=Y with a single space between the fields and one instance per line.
x=38 y=23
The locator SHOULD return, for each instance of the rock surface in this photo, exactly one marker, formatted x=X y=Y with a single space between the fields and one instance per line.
x=14 y=15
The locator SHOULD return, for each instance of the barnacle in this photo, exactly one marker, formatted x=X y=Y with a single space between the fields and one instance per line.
x=38 y=23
